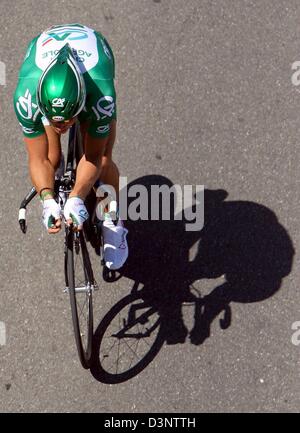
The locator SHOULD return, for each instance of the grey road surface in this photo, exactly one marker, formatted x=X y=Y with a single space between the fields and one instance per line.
x=205 y=97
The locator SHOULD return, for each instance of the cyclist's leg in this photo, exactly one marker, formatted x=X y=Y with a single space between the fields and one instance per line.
x=109 y=170
x=113 y=230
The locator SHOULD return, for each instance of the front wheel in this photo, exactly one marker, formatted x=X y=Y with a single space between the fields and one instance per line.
x=80 y=284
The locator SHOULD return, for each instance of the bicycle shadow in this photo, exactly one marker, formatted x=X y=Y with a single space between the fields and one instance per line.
x=242 y=241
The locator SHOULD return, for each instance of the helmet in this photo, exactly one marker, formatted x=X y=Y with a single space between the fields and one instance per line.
x=61 y=89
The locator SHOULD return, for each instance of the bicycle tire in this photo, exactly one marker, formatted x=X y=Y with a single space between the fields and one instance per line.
x=83 y=333
x=101 y=356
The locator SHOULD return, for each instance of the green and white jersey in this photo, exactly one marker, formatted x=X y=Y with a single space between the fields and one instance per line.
x=96 y=62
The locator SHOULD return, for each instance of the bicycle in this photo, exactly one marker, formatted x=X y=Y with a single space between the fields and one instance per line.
x=79 y=278
x=131 y=334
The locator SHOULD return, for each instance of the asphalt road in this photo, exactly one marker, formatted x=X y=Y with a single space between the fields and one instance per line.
x=205 y=97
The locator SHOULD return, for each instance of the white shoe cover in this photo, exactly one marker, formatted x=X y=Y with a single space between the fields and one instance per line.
x=115 y=244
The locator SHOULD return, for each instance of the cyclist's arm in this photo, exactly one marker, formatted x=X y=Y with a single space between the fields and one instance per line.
x=40 y=168
x=30 y=120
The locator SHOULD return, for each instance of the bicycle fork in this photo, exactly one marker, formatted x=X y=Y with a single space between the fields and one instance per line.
x=89 y=286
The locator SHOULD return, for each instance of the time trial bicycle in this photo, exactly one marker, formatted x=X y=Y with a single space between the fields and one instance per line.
x=79 y=277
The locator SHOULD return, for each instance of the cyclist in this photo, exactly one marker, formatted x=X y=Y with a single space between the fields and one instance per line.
x=68 y=75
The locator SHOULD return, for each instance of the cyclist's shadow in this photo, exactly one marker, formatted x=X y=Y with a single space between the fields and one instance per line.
x=242 y=241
